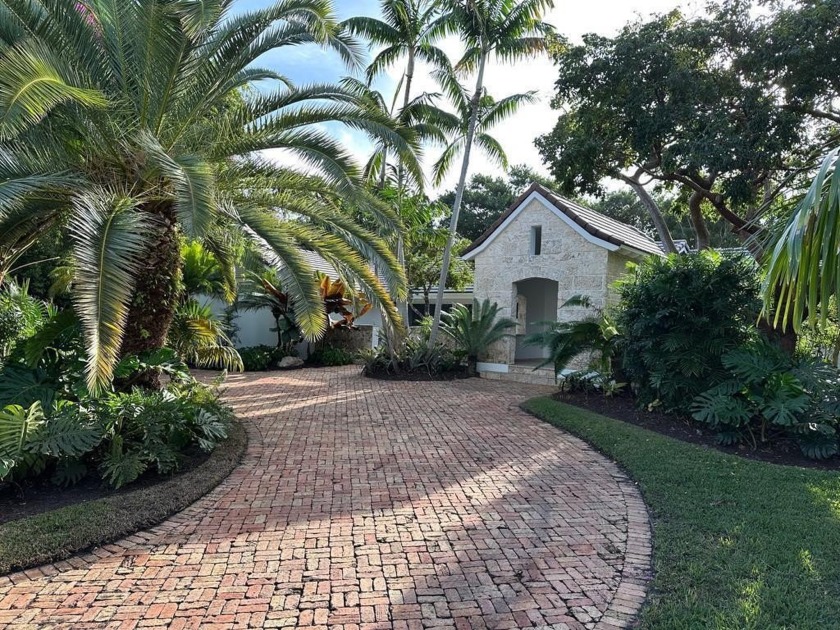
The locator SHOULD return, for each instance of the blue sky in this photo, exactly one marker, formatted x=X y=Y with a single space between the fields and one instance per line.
x=573 y=18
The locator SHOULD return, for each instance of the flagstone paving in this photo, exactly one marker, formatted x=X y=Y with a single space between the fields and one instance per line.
x=365 y=504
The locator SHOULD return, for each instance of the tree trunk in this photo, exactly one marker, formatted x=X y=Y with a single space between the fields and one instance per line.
x=459 y=196
x=654 y=212
x=156 y=292
x=695 y=206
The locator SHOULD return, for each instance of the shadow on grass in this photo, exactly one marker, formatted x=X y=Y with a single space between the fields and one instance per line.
x=737 y=543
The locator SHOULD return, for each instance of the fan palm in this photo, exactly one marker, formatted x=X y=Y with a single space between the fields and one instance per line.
x=476 y=331
x=803 y=266
x=136 y=121
x=509 y=31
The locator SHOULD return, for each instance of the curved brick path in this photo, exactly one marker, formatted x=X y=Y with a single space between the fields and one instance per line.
x=362 y=505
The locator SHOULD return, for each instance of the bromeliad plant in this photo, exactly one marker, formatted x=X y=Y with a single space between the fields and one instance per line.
x=136 y=121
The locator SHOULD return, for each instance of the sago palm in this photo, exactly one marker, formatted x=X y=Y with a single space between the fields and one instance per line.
x=136 y=121
x=474 y=332
x=509 y=31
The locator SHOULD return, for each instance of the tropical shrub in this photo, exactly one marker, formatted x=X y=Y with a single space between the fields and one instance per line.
x=768 y=395
x=200 y=339
x=475 y=331
x=121 y=435
x=261 y=358
x=331 y=356
x=595 y=335
x=677 y=317
x=21 y=315
x=414 y=357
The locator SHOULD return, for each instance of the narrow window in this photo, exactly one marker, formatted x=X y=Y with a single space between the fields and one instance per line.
x=536 y=240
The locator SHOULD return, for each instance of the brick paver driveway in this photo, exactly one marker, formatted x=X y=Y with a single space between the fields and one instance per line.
x=369 y=504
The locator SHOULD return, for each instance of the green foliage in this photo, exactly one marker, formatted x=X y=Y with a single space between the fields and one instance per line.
x=595 y=334
x=200 y=338
x=413 y=357
x=475 y=330
x=331 y=356
x=803 y=280
x=677 y=317
x=260 y=358
x=21 y=316
x=772 y=395
x=170 y=89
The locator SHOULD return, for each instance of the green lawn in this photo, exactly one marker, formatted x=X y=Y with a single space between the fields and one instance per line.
x=737 y=543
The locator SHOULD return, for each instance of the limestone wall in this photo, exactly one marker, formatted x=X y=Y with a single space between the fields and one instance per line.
x=578 y=266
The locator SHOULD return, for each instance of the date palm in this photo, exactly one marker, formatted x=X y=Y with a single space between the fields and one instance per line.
x=509 y=31
x=136 y=121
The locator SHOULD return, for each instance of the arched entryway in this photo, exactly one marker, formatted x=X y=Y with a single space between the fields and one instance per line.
x=534 y=303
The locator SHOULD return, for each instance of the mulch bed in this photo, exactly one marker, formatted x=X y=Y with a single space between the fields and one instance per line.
x=417 y=376
x=20 y=501
x=623 y=407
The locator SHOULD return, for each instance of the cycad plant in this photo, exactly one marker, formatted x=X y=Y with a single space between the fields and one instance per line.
x=136 y=121
x=509 y=31
x=474 y=332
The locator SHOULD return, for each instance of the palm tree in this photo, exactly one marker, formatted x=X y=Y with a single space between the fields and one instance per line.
x=409 y=29
x=136 y=121
x=508 y=31
x=264 y=291
x=595 y=334
x=475 y=331
x=456 y=125
x=803 y=265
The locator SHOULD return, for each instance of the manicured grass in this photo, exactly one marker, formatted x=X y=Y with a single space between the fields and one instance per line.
x=738 y=544
x=60 y=533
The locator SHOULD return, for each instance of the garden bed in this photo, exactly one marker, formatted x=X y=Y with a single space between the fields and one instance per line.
x=737 y=543
x=418 y=376
x=52 y=527
x=623 y=407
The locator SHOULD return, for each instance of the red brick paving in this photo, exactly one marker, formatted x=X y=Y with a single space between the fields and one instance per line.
x=366 y=505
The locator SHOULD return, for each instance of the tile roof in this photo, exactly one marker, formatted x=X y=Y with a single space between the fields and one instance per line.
x=594 y=223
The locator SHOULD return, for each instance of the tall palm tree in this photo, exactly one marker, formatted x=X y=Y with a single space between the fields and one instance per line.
x=409 y=29
x=137 y=121
x=457 y=125
x=508 y=31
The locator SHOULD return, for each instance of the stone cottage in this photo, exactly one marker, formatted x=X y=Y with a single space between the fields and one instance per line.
x=542 y=251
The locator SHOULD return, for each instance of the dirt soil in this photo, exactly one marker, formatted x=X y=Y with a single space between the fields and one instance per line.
x=30 y=498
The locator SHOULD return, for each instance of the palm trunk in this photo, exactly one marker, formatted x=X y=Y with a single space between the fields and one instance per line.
x=156 y=292
x=402 y=306
x=459 y=196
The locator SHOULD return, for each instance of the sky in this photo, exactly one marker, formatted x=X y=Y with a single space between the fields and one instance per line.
x=572 y=18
